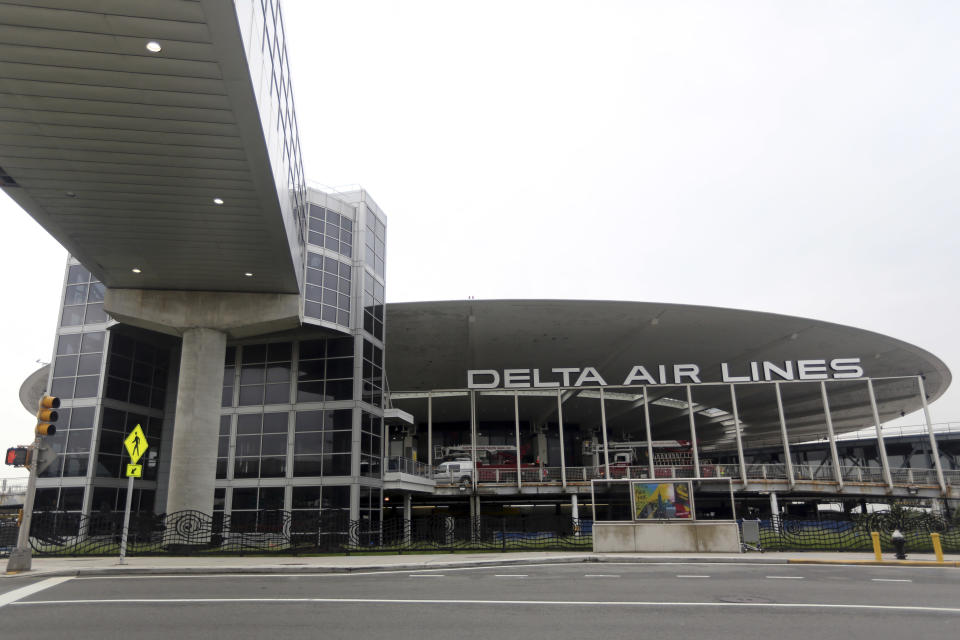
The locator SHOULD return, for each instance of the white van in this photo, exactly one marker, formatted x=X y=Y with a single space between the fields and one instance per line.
x=454 y=472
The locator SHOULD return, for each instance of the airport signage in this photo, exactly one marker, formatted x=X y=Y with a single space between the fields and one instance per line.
x=663 y=374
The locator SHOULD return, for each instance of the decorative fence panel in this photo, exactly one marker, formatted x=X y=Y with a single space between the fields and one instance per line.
x=285 y=532
x=853 y=533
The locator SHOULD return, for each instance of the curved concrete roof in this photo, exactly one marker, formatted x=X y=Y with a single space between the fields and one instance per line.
x=431 y=345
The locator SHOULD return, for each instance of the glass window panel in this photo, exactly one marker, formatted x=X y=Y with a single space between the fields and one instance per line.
x=275 y=423
x=96 y=291
x=68 y=344
x=81 y=417
x=310 y=392
x=314 y=293
x=315 y=236
x=311 y=442
x=333 y=217
x=306 y=497
x=336 y=497
x=121 y=344
x=252 y=374
x=75 y=466
x=340 y=347
x=340 y=389
x=139 y=394
x=62 y=388
x=273 y=467
x=251 y=396
x=312 y=309
x=71 y=499
x=231 y=356
x=271 y=497
x=245 y=498
x=249 y=423
x=311 y=370
x=226 y=399
x=336 y=465
x=72 y=316
x=277 y=393
x=95 y=314
x=77 y=273
x=279 y=352
x=343 y=317
x=278 y=372
x=119 y=366
x=224 y=425
x=87 y=387
x=78 y=440
x=309 y=420
x=314 y=277
x=221 y=468
x=314 y=260
x=340 y=368
x=104 y=500
x=338 y=441
x=253 y=353
x=89 y=364
x=330 y=265
x=223 y=446
x=65 y=366
x=307 y=466
x=274 y=444
x=246 y=468
x=248 y=446
x=312 y=349
x=142 y=373
x=75 y=294
x=343 y=286
x=328 y=313
x=346 y=223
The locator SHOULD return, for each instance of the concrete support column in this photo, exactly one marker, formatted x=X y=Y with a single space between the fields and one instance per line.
x=774 y=512
x=407 y=517
x=934 y=451
x=575 y=514
x=193 y=459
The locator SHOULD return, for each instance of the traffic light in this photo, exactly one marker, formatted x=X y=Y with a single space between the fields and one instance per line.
x=17 y=456
x=47 y=415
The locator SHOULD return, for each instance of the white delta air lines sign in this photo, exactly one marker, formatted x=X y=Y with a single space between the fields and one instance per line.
x=765 y=371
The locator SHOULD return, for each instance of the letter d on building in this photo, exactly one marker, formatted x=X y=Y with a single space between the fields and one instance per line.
x=472 y=379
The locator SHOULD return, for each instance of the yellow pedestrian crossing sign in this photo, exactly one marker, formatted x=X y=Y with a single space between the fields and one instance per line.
x=134 y=470
x=136 y=444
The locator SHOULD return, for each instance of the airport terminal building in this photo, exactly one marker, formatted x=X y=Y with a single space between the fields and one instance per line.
x=239 y=318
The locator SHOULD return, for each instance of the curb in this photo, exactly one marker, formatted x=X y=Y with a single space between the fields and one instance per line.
x=877 y=563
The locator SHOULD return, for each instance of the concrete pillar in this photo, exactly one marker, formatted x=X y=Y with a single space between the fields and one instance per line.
x=575 y=514
x=407 y=517
x=774 y=512
x=193 y=459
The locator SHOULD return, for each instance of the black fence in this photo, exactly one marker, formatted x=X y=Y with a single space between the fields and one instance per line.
x=852 y=533
x=55 y=533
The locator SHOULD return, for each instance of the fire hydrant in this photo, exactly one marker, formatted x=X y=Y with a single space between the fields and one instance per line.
x=898 y=543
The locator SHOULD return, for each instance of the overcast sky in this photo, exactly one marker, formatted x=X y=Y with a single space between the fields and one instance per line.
x=793 y=157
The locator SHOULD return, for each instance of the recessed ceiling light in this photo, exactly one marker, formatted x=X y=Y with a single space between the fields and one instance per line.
x=71 y=194
x=135 y=269
x=248 y=274
x=218 y=201
x=154 y=46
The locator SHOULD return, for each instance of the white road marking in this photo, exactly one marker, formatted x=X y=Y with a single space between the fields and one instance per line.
x=891 y=580
x=12 y=596
x=426 y=575
x=510 y=575
x=524 y=603
x=684 y=575
x=785 y=577
x=600 y=575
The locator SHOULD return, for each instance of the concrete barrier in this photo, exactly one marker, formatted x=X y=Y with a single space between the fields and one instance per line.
x=663 y=537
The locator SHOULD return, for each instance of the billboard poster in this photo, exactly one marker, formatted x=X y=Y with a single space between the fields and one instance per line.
x=661 y=501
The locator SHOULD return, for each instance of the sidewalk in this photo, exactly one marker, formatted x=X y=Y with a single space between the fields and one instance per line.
x=187 y=565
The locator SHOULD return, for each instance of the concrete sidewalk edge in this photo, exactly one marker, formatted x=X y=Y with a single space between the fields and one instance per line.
x=876 y=563
x=126 y=570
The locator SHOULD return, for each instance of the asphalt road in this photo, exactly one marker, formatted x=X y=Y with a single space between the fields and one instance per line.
x=555 y=602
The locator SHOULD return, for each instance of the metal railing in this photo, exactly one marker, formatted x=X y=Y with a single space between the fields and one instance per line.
x=768 y=471
x=397 y=464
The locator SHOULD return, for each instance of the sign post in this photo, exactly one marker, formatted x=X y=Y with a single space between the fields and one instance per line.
x=136 y=444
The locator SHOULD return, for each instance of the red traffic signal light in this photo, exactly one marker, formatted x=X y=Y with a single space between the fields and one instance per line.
x=46 y=415
x=17 y=456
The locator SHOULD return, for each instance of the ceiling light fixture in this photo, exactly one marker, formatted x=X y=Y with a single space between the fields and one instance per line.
x=248 y=274
x=135 y=269
x=153 y=46
x=218 y=201
x=71 y=194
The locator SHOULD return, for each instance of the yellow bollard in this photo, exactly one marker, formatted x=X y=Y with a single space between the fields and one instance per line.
x=937 y=549
x=875 y=536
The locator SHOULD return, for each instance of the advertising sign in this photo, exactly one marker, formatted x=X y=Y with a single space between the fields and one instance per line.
x=662 y=501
